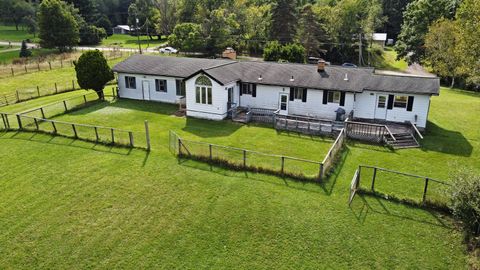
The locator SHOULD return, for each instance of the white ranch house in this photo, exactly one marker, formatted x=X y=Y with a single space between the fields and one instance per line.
x=210 y=88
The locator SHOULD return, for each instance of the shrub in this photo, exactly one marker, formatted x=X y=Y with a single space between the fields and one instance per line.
x=91 y=35
x=24 y=51
x=272 y=51
x=465 y=203
x=292 y=52
x=93 y=72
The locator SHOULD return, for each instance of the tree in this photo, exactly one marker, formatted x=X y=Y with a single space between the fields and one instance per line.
x=15 y=11
x=393 y=11
x=188 y=37
x=468 y=20
x=24 y=51
x=441 y=49
x=104 y=23
x=292 y=52
x=284 y=21
x=311 y=31
x=91 y=35
x=187 y=10
x=418 y=16
x=168 y=18
x=272 y=51
x=147 y=15
x=218 y=29
x=93 y=72
x=465 y=202
x=58 y=27
x=87 y=9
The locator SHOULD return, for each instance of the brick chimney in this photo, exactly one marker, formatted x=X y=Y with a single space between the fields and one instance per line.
x=321 y=66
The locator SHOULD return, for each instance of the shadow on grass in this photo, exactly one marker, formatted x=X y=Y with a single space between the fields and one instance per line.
x=446 y=141
x=364 y=204
x=65 y=141
x=321 y=138
x=130 y=104
x=209 y=129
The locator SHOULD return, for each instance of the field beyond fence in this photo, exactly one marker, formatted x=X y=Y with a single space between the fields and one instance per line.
x=243 y=159
x=400 y=185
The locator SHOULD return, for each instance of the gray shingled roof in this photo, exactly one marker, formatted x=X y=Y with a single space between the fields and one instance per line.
x=180 y=67
x=227 y=71
x=404 y=84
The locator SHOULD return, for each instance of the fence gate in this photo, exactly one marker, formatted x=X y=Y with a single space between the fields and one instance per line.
x=173 y=142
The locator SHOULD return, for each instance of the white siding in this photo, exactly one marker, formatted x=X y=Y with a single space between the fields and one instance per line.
x=169 y=97
x=217 y=110
x=268 y=98
x=366 y=103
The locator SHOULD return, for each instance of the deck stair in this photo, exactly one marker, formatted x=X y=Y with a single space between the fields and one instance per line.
x=240 y=115
x=403 y=141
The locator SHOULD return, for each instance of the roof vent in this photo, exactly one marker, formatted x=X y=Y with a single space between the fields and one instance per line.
x=346 y=77
x=260 y=78
x=292 y=79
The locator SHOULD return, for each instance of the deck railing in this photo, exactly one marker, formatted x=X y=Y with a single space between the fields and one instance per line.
x=368 y=132
x=305 y=125
x=416 y=133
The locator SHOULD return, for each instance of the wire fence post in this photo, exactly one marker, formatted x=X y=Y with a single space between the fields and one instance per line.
x=320 y=173
x=179 y=147
x=147 y=134
x=74 y=131
x=425 y=190
x=113 y=135
x=13 y=73
x=38 y=91
x=56 y=88
x=283 y=165
x=36 y=123
x=43 y=113
x=96 y=134
x=373 y=178
x=73 y=85
x=19 y=122
x=244 y=158
x=54 y=127
x=85 y=98
x=65 y=105
x=210 y=149
x=130 y=135
x=18 y=96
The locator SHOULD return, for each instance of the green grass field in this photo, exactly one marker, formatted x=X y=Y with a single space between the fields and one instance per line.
x=44 y=79
x=7 y=56
x=9 y=33
x=91 y=206
x=388 y=61
x=127 y=41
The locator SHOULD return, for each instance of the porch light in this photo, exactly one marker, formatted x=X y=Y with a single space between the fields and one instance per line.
x=292 y=79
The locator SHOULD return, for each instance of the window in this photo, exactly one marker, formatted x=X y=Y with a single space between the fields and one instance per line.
x=180 y=85
x=400 y=102
x=382 y=102
x=161 y=85
x=334 y=97
x=203 y=90
x=130 y=82
x=248 y=89
x=298 y=93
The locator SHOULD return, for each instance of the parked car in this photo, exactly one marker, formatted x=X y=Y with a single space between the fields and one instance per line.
x=168 y=50
x=349 y=65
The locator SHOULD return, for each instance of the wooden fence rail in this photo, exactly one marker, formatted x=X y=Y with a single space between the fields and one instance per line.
x=367 y=131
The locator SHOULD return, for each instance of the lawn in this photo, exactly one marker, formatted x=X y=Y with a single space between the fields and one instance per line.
x=9 y=33
x=44 y=79
x=388 y=61
x=127 y=41
x=7 y=56
x=103 y=207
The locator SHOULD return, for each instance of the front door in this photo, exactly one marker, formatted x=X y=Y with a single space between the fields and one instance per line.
x=381 y=107
x=283 y=104
x=146 y=90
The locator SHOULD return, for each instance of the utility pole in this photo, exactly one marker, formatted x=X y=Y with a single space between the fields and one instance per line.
x=360 y=50
x=138 y=36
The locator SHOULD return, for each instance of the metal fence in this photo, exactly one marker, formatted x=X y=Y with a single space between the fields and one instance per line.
x=248 y=160
x=61 y=107
x=403 y=186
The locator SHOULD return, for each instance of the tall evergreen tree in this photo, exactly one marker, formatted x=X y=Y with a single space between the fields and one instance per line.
x=87 y=9
x=284 y=21
x=311 y=31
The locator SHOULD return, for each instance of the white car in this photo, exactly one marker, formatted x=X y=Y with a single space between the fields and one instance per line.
x=168 y=50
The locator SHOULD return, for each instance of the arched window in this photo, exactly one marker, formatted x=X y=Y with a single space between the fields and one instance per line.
x=203 y=81
x=203 y=90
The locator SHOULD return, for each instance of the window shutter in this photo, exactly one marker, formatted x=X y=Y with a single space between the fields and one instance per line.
x=241 y=89
x=292 y=93
x=304 y=97
x=390 y=101
x=410 y=103
x=126 y=82
x=325 y=96
x=342 y=99
x=254 y=90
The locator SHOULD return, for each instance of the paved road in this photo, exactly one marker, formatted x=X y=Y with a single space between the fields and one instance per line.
x=81 y=48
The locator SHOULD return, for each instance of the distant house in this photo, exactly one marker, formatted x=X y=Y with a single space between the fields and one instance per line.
x=380 y=39
x=121 y=29
x=210 y=88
